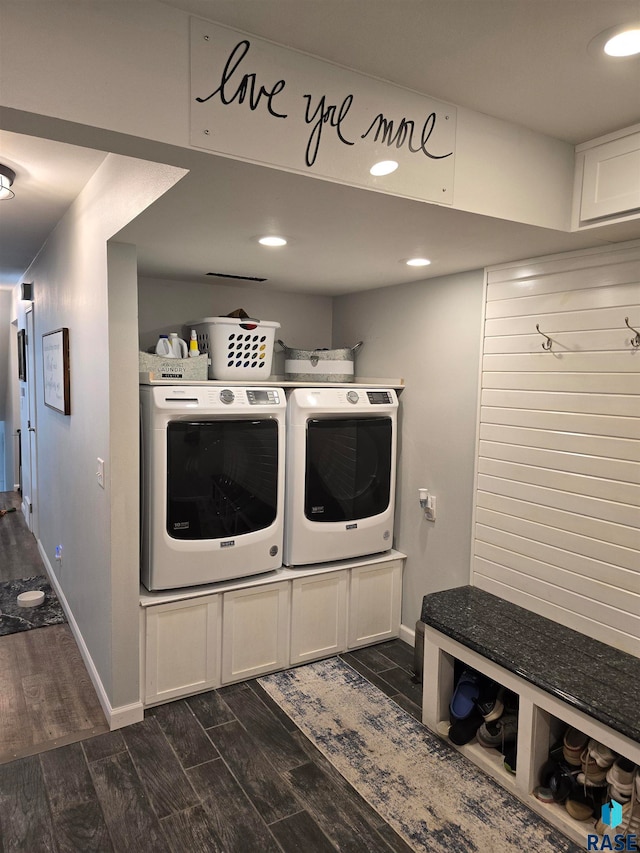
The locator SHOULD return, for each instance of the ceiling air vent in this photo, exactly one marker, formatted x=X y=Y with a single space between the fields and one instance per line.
x=236 y=277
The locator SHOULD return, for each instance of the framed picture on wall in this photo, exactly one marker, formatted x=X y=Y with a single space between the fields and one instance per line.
x=22 y=355
x=55 y=357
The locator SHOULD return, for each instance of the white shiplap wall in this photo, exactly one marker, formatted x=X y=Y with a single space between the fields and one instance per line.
x=557 y=500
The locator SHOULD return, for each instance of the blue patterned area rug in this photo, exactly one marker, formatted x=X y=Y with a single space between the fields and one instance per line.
x=433 y=796
x=14 y=618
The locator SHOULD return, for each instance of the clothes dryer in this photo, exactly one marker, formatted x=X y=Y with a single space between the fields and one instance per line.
x=341 y=473
x=212 y=483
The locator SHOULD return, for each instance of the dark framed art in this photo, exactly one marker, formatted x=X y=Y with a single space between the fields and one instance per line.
x=22 y=354
x=55 y=357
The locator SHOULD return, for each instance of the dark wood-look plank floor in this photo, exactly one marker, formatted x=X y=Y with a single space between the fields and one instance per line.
x=223 y=772
x=220 y=772
x=46 y=696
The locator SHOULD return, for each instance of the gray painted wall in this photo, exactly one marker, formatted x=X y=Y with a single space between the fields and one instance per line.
x=163 y=306
x=428 y=333
x=75 y=288
x=7 y=339
x=6 y=335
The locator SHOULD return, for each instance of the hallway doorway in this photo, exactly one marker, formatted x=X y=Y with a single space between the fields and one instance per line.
x=29 y=448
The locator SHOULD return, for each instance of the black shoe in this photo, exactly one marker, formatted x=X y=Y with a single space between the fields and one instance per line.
x=561 y=781
x=463 y=731
x=489 y=702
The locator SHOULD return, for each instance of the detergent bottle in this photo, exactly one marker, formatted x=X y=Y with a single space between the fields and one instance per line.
x=193 y=344
x=163 y=347
x=178 y=346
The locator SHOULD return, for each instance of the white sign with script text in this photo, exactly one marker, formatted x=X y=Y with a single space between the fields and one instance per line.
x=258 y=101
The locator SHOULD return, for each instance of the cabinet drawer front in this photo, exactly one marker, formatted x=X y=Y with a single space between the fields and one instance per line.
x=182 y=648
x=255 y=634
x=374 y=603
x=318 y=617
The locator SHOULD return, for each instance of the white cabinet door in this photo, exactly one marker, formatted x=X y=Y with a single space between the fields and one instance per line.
x=375 y=599
x=182 y=648
x=611 y=182
x=255 y=631
x=318 y=616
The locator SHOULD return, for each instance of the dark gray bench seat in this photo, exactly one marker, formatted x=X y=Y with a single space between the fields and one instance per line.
x=589 y=675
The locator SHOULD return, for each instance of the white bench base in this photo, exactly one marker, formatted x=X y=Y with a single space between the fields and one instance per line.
x=541 y=721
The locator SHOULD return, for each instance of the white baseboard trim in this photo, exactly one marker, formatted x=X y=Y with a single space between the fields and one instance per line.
x=407 y=635
x=125 y=715
x=121 y=715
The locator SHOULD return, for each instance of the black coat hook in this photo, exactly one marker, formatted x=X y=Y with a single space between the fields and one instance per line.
x=635 y=342
x=547 y=343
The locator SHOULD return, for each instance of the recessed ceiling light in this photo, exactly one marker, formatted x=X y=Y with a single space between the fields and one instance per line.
x=384 y=167
x=625 y=43
x=272 y=241
x=418 y=262
x=620 y=42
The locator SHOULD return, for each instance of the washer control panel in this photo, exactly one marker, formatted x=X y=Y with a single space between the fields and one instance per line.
x=379 y=398
x=263 y=397
x=206 y=399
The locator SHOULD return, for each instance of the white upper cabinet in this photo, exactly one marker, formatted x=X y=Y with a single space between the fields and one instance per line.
x=610 y=185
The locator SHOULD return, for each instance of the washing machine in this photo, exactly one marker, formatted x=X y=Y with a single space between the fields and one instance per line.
x=212 y=477
x=341 y=473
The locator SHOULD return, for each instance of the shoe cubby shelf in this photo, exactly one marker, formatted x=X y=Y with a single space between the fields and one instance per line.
x=489 y=760
x=542 y=718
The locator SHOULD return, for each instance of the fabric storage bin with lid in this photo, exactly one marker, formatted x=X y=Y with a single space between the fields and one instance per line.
x=319 y=365
x=238 y=348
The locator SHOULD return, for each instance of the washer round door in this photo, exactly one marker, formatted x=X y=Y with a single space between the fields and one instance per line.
x=222 y=477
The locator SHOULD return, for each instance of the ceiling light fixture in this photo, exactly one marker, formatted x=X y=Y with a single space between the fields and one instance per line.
x=384 y=167
x=418 y=262
x=7 y=177
x=619 y=42
x=272 y=241
x=625 y=43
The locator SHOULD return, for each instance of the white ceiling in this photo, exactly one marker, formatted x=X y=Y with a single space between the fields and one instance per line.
x=49 y=176
x=525 y=61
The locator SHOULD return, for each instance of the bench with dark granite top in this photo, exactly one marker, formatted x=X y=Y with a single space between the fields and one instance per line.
x=595 y=678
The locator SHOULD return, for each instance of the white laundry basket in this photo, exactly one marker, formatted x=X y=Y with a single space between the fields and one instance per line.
x=238 y=348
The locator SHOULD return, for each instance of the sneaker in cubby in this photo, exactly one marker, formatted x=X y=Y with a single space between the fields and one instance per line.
x=573 y=746
x=500 y=733
x=592 y=774
x=622 y=776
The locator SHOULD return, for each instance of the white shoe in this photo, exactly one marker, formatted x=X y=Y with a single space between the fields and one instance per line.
x=618 y=796
x=601 y=754
x=621 y=776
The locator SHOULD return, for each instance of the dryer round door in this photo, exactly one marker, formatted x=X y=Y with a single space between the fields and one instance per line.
x=348 y=468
